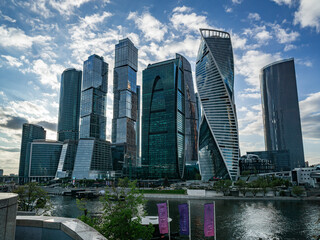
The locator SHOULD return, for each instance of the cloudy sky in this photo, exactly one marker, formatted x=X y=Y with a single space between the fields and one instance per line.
x=40 y=38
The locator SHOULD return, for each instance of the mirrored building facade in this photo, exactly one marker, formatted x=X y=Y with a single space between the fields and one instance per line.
x=30 y=132
x=125 y=99
x=93 y=98
x=43 y=158
x=93 y=157
x=69 y=105
x=218 y=136
x=280 y=110
x=169 y=118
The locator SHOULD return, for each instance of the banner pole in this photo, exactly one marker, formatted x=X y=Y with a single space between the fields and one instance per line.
x=189 y=220
x=214 y=219
x=168 y=219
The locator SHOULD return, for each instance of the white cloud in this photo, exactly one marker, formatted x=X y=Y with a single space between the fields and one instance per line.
x=289 y=47
x=284 y=2
x=308 y=14
x=168 y=49
x=12 y=61
x=310 y=116
x=237 y=1
x=250 y=64
x=15 y=37
x=250 y=95
x=91 y=21
x=238 y=42
x=151 y=27
x=66 y=7
x=182 y=9
x=48 y=74
x=283 y=35
x=7 y=18
x=189 y=22
x=259 y=33
x=251 y=123
x=254 y=16
x=228 y=9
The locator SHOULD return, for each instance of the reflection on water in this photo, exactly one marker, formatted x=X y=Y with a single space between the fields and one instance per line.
x=236 y=219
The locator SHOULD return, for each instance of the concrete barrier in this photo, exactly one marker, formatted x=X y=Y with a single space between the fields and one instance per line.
x=196 y=192
x=8 y=213
x=54 y=228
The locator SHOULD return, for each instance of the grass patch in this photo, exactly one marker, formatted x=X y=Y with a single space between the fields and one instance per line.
x=157 y=191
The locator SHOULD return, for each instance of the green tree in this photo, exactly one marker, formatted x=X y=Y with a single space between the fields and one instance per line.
x=33 y=198
x=121 y=215
x=223 y=186
x=297 y=190
x=242 y=186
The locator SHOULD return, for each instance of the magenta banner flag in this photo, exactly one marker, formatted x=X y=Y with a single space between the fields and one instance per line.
x=184 y=218
x=163 y=218
x=209 y=230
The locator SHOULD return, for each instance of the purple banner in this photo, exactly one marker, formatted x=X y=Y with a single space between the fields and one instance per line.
x=209 y=230
x=163 y=218
x=184 y=219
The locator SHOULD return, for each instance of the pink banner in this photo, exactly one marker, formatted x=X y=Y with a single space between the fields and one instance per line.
x=163 y=218
x=209 y=230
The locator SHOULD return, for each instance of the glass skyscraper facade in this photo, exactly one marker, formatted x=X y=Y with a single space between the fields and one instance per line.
x=30 y=132
x=93 y=157
x=138 y=125
x=69 y=105
x=280 y=110
x=218 y=137
x=93 y=98
x=125 y=98
x=169 y=122
x=43 y=157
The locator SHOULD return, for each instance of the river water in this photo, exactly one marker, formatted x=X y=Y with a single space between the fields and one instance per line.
x=235 y=219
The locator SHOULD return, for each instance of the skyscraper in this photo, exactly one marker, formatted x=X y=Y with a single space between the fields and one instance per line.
x=30 y=132
x=68 y=121
x=93 y=98
x=125 y=98
x=43 y=158
x=169 y=124
x=69 y=105
x=280 y=109
x=218 y=137
x=93 y=157
x=138 y=125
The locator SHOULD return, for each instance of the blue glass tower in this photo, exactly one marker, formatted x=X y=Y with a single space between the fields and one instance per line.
x=125 y=99
x=93 y=157
x=169 y=126
x=93 y=98
x=280 y=110
x=69 y=105
x=30 y=132
x=218 y=137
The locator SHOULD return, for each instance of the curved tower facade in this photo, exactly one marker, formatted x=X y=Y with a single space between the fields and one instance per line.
x=280 y=109
x=169 y=120
x=218 y=134
x=69 y=107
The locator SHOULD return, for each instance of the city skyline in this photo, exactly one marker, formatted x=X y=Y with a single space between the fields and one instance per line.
x=38 y=44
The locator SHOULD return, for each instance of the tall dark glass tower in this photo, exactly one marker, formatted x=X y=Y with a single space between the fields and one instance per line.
x=69 y=105
x=93 y=157
x=138 y=124
x=169 y=123
x=68 y=121
x=218 y=137
x=125 y=98
x=30 y=132
x=93 y=98
x=280 y=108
